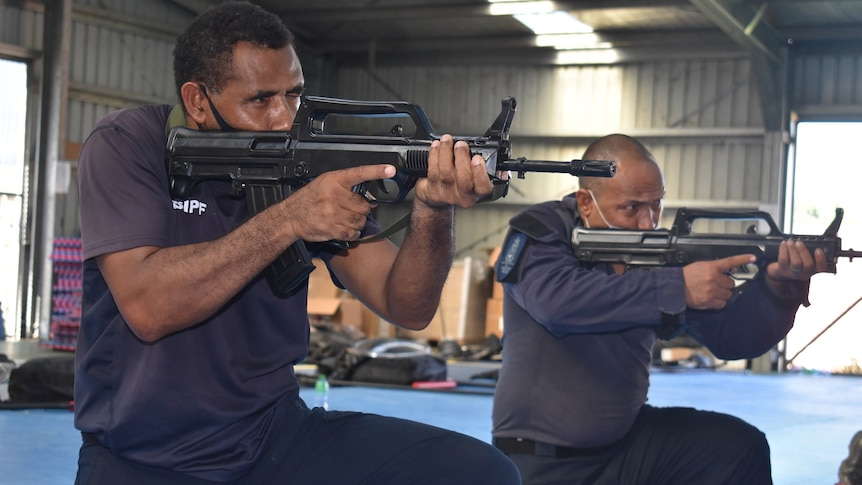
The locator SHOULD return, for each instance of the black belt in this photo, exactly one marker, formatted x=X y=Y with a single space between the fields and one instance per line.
x=518 y=446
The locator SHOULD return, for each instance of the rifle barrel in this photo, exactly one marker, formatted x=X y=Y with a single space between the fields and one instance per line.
x=848 y=253
x=578 y=168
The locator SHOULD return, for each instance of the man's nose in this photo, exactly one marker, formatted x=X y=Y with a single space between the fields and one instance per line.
x=646 y=220
x=284 y=115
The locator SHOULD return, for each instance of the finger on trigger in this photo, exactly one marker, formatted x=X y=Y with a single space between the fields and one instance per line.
x=366 y=173
x=739 y=260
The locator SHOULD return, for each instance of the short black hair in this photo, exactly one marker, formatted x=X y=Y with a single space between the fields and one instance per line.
x=204 y=51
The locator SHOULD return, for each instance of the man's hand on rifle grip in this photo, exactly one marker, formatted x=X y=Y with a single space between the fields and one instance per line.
x=328 y=207
x=708 y=285
x=454 y=177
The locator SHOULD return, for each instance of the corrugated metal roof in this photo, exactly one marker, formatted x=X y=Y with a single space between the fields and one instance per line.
x=399 y=32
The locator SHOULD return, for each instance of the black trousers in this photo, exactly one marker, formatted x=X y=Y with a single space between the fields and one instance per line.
x=666 y=446
x=313 y=446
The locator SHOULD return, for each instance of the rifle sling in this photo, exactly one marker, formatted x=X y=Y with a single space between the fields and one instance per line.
x=392 y=229
x=498 y=191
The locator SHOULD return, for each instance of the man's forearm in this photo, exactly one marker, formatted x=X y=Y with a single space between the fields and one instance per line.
x=423 y=263
x=175 y=287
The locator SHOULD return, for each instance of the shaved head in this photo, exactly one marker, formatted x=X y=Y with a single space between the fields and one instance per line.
x=623 y=149
x=632 y=198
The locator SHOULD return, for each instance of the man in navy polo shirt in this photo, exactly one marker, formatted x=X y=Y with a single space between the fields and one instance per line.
x=571 y=402
x=185 y=356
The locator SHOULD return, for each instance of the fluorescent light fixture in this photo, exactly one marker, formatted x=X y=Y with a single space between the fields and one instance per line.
x=553 y=27
x=591 y=56
x=572 y=41
x=520 y=8
x=557 y=22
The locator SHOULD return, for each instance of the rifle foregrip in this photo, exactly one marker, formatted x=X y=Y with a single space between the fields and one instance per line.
x=293 y=266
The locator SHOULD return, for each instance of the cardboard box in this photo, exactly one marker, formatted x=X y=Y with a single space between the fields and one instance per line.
x=461 y=313
x=494 y=317
x=675 y=354
x=497 y=291
x=347 y=310
x=495 y=253
x=323 y=308
x=373 y=326
x=494 y=307
x=497 y=288
x=329 y=303
x=324 y=298
x=351 y=313
x=320 y=285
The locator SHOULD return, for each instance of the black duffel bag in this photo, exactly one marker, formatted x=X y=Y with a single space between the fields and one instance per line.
x=389 y=361
x=43 y=380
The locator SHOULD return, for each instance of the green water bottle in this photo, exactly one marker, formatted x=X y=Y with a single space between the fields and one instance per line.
x=321 y=392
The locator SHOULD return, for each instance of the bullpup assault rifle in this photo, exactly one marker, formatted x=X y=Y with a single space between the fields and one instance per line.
x=679 y=246
x=331 y=134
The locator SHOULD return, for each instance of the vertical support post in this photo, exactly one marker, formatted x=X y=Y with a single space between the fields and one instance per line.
x=57 y=35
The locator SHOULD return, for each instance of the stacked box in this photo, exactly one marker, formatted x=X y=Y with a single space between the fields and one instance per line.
x=328 y=303
x=66 y=293
x=461 y=313
x=494 y=305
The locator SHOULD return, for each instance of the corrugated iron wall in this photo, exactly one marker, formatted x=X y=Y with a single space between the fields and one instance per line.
x=700 y=118
x=21 y=27
x=828 y=87
x=120 y=55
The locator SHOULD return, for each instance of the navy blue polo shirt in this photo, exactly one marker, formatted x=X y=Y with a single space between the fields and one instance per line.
x=197 y=401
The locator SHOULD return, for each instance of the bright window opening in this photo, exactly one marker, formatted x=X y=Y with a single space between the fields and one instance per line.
x=13 y=108
x=826 y=174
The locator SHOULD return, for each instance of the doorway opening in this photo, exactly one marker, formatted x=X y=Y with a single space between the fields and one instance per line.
x=826 y=175
x=13 y=114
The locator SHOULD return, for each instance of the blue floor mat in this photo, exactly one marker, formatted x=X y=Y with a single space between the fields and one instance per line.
x=808 y=419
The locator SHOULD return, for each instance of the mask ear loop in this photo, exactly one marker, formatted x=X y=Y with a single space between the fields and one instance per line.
x=221 y=122
x=599 y=210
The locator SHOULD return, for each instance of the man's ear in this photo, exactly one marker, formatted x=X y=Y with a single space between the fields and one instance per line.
x=194 y=102
x=585 y=203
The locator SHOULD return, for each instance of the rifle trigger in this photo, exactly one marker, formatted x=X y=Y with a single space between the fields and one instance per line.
x=237 y=188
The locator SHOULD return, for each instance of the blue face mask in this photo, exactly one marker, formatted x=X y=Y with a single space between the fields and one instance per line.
x=224 y=125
